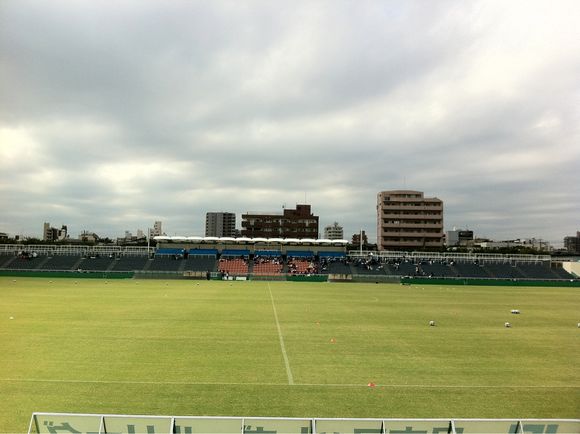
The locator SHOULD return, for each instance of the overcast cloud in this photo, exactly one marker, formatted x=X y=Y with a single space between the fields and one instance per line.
x=114 y=114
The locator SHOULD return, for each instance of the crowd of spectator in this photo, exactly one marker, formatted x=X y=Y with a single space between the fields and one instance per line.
x=302 y=266
x=235 y=266
x=268 y=265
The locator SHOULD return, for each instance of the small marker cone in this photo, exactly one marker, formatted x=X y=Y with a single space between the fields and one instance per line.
x=333 y=341
x=371 y=385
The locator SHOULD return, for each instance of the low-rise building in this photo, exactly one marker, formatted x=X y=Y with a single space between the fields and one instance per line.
x=54 y=234
x=529 y=243
x=572 y=244
x=459 y=237
x=292 y=223
x=334 y=232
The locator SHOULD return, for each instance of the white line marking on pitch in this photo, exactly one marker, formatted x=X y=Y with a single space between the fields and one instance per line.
x=286 y=362
x=193 y=383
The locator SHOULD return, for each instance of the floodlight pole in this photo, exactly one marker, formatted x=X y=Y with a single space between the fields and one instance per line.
x=361 y=241
x=148 y=240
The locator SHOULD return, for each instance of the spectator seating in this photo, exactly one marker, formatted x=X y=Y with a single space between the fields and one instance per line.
x=267 y=266
x=61 y=262
x=200 y=263
x=5 y=258
x=470 y=269
x=302 y=266
x=536 y=271
x=503 y=270
x=165 y=262
x=25 y=263
x=130 y=263
x=233 y=266
x=99 y=263
x=561 y=273
x=334 y=265
x=367 y=266
x=403 y=268
x=436 y=269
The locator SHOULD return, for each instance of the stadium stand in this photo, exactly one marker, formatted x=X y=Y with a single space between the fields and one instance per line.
x=402 y=268
x=25 y=262
x=61 y=262
x=536 y=271
x=469 y=269
x=98 y=263
x=269 y=260
x=130 y=263
x=200 y=263
x=233 y=266
x=503 y=270
x=4 y=259
x=436 y=269
x=166 y=262
x=299 y=265
x=560 y=273
x=366 y=266
x=267 y=266
x=334 y=265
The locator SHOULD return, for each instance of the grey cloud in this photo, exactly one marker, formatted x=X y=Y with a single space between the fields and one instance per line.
x=126 y=112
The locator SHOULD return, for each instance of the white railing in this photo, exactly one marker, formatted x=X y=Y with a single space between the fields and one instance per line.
x=445 y=256
x=58 y=249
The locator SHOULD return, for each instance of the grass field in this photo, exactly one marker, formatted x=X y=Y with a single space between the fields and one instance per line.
x=286 y=349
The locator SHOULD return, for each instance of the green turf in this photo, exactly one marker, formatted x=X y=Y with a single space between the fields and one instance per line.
x=213 y=348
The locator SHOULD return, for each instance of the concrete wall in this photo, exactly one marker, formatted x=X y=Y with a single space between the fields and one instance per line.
x=572 y=267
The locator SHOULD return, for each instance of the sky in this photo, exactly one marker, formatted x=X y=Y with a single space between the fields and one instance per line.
x=117 y=113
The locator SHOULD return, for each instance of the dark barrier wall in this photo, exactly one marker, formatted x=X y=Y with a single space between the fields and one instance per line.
x=490 y=282
x=306 y=278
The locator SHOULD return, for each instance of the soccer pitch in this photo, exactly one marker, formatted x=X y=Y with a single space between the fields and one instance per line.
x=288 y=349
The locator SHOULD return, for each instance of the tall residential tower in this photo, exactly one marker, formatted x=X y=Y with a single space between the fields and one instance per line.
x=220 y=224
x=406 y=220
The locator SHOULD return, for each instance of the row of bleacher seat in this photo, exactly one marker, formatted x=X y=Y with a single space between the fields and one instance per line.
x=267 y=266
x=487 y=270
x=298 y=265
x=270 y=263
x=233 y=266
x=106 y=263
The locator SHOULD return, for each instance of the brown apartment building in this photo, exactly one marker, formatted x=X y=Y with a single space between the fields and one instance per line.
x=406 y=220
x=292 y=223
